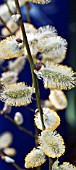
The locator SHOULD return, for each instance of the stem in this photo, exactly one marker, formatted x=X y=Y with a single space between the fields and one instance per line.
x=2 y=156
x=32 y=110
x=28 y=12
x=3 y=37
x=8 y=8
x=36 y=136
x=16 y=166
x=36 y=142
x=19 y=127
x=5 y=25
x=25 y=40
x=50 y=163
x=38 y=168
x=34 y=78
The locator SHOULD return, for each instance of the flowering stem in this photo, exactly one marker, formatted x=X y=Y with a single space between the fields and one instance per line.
x=2 y=156
x=19 y=127
x=25 y=39
x=3 y=22
x=34 y=78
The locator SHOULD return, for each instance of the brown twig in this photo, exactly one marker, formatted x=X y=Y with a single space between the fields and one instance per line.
x=3 y=22
x=18 y=126
x=2 y=156
x=16 y=166
x=11 y=13
x=3 y=37
x=32 y=110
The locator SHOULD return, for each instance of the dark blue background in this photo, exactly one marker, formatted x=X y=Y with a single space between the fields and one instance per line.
x=56 y=13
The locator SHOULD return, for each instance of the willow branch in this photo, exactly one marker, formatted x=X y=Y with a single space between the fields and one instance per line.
x=3 y=22
x=19 y=127
x=11 y=13
x=3 y=37
x=32 y=110
x=2 y=156
x=36 y=143
x=16 y=166
x=34 y=78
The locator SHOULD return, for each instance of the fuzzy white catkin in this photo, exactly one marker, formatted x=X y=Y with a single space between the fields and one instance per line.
x=9 y=160
x=18 y=118
x=64 y=166
x=9 y=151
x=5 y=140
x=15 y=17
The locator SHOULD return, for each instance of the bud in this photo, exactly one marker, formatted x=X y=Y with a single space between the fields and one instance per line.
x=5 y=140
x=16 y=17
x=19 y=40
x=9 y=160
x=18 y=118
x=39 y=65
x=10 y=151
